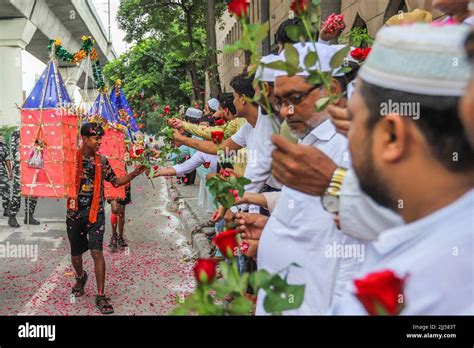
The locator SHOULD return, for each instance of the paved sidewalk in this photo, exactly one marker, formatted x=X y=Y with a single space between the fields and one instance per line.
x=184 y=201
x=144 y=279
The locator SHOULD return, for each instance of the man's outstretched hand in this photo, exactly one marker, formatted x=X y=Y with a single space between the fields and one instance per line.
x=300 y=167
x=175 y=123
x=138 y=170
x=250 y=225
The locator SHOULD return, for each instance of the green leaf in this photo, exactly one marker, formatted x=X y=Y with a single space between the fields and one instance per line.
x=291 y=56
x=344 y=70
x=243 y=181
x=244 y=280
x=278 y=65
x=322 y=103
x=230 y=200
x=314 y=78
x=326 y=77
x=338 y=58
x=293 y=32
x=261 y=32
x=240 y=306
x=310 y=59
x=259 y=279
x=290 y=298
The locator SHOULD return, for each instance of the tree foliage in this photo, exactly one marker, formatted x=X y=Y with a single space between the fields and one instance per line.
x=167 y=61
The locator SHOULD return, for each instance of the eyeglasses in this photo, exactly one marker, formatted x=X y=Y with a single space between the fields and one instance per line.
x=294 y=99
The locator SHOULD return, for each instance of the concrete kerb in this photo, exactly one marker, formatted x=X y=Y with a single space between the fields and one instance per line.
x=190 y=220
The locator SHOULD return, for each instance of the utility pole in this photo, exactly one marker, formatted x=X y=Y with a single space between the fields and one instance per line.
x=108 y=13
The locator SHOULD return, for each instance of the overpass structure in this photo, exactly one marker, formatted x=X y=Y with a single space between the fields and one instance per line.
x=29 y=25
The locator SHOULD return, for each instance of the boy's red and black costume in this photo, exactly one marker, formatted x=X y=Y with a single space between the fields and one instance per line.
x=85 y=215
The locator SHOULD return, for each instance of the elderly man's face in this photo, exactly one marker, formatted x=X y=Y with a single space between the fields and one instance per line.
x=298 y=99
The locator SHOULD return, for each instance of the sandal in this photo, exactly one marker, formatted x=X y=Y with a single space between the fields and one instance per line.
x=102 y=302
x=78 y=289
x=122 y=243
x=113 y=243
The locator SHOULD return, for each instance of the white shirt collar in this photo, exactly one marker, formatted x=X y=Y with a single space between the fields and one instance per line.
x=392 y=238
x=325 y=131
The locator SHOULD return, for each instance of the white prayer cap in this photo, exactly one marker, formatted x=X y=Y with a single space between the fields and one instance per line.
x=419 y=58
x=193 y=113
x=213 y=104
x=265 y=73
x=325 y=53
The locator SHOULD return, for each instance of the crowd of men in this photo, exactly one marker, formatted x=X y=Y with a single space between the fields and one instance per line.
x=382 y=179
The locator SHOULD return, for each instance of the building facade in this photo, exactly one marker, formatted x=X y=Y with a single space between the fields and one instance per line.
x=366 y=13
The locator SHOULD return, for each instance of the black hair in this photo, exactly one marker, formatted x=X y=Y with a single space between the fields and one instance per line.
x=92 y=129
x=192 y=120
x=226 y=100
x=348 y=77
x=206 y=118
x=281 y=36
x=438 y=121
x=242 y=84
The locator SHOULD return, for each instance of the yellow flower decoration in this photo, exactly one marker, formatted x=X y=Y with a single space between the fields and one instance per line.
x=57 y=42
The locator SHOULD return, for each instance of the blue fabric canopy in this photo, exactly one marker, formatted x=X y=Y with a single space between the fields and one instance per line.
x=120 y=102
x=49 y=91
x=102 y=106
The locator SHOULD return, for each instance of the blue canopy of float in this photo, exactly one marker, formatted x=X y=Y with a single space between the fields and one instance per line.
x=120 y=102
x=49 y=91
x=103 y=107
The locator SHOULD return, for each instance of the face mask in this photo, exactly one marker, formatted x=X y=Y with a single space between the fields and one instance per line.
x=359 y=216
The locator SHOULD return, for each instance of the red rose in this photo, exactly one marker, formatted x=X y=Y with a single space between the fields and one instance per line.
x=155 y=168
x=381 y=293
x=206 y=164
x=334 y=23
x=167 y=109
x=226 y=242
x=217 y=136
x=138 y=152
x=225 y=173
x=220 y=122
x=235 y=193
x=205 y=271
x=360 y=53
x=238 y=8
x=244 y=246
x=299 y=7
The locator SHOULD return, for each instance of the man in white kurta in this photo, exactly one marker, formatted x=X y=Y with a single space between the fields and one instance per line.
x=300 y=231
x=433 y=192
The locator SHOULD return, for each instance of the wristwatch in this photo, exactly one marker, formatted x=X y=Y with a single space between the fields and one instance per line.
x=330 y=198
